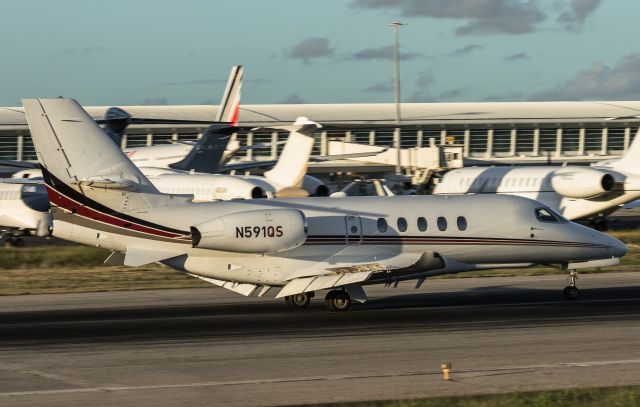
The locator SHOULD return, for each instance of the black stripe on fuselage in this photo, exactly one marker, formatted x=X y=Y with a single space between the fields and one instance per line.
x=58 y=186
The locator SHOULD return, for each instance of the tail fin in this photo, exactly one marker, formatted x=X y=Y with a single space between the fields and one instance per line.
x=230 y=103
x=116 y=121
x=294 y=160
x=630 y=162
x=79 y=160
x=207 y=154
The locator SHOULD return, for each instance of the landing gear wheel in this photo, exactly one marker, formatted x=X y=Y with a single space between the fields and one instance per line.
x=298 y=300
x=571 y=292
x=337 y=300
x=600 y=223
x=18 y=242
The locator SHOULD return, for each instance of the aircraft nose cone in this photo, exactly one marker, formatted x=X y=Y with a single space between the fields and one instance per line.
x=618 y=248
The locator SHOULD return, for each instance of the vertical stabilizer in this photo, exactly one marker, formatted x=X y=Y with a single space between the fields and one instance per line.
x=79 y=159
x=294 y=160
x=630 y=162
x=230 y=103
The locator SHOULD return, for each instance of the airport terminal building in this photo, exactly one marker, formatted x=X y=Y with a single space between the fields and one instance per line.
x=489 y=133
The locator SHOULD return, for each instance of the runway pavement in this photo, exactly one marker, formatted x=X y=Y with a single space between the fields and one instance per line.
x=203 y=347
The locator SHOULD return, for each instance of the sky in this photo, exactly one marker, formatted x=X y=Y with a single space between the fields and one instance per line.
x=318 y=51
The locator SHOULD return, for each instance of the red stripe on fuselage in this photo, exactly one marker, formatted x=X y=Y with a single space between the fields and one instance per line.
x=72 y=206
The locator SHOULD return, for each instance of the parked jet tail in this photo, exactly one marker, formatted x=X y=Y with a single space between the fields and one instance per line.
x=230 y=103
x=293 y=162
x=207 y=154
x=81 y=166
x=116 y=120
x=630 y=162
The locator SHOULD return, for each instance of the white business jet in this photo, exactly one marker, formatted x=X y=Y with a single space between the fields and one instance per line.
x=298 y=245
x=576 y=192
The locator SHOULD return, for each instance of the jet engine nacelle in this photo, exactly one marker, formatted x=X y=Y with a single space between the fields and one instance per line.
x=262 y=231
x=581 y=183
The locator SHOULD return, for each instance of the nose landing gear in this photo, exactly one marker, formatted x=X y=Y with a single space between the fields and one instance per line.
x=571 y=292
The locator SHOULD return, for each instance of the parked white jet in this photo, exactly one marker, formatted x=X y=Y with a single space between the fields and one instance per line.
x=24 y=211
x=303 y=245
x=574 y=191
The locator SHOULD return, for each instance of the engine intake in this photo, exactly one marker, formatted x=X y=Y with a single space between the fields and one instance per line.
x=260 y=231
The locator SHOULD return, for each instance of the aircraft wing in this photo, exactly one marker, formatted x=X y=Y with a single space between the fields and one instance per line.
x=22 y=181
x=314 y=158
x=353 y=265
x=19 y=164
x=332 y=157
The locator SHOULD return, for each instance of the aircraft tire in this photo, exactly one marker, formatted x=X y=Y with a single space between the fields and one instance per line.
x=337 y=301
x=18 y=242
x=299 y=301
x=571 y=292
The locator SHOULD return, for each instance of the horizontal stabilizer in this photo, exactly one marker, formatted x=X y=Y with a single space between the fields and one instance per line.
x=139 y=256
x=125 y=185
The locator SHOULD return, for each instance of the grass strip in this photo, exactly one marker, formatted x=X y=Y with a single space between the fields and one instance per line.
x=59 y=268
x=584 y=397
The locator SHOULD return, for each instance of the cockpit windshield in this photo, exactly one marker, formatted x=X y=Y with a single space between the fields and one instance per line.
x=549 y=215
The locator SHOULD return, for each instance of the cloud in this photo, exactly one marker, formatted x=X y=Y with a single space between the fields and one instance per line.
x=466 y=50
x=507 y=97
x=600 y=81
x=379 y=88
x=293 y=100
x=82 y=51
x=480 y=16
x=385 y=52
x=155 y=101
x=422 y=85
x=453 y=93
x=520 y=56
x=579 y=10
x=309 y=49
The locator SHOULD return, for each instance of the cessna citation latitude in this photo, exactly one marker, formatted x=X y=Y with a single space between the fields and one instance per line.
x=574 y=191
x=300 y=245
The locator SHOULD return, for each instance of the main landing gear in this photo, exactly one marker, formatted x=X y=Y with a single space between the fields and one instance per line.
x=337 y=300
x=599 y=223
x=298 y=301
x=9 y=240
x=571 y=292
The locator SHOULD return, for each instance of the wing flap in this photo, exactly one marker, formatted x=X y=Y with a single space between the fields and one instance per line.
x=302 y=285
x=240 y=288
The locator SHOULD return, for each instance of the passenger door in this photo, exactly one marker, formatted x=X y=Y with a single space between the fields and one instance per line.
x=353 y=230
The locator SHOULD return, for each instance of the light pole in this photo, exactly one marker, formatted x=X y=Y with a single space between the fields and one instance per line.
x=395 y=27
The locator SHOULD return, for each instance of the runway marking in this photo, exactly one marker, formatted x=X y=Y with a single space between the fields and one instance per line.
x=319 y=378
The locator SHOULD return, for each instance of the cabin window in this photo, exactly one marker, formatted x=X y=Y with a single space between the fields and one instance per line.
x=462 y=223
x=402 y=224
x=422 y=224
x=442 y=224
x=382 y=225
